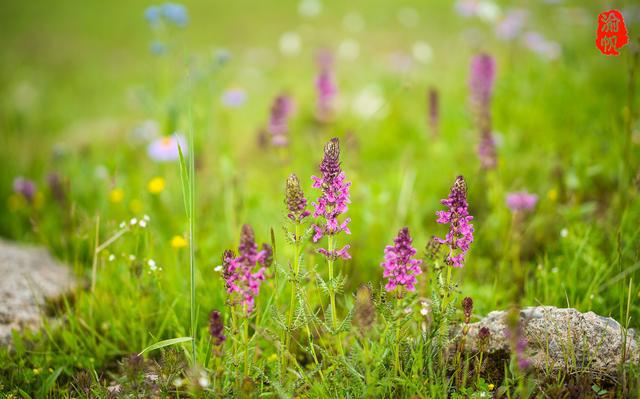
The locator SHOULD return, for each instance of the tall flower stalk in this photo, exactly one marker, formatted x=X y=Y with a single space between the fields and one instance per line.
x=325 y=88
x=279 y=120
x=330 y=206
x=401 y=270
x=297 y=212
x=433 y=114
x=481 y=81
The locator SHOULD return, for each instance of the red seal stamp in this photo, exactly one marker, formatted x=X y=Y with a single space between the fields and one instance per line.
x=612 y=32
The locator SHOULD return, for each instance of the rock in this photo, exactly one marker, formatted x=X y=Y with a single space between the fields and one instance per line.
x=560 y=340
x=30 y=276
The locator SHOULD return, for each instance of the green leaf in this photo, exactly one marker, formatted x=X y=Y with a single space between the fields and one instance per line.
x=166 y=342
x=49 y=382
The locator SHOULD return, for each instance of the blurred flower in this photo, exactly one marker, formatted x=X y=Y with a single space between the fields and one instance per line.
x=512 y=24
x=485 y=10
x=399 y=266
x=178 y=242
x=460 y=235
x=309 y=8
x=422 y=52
x=24 y=187
x=166 y=148
x=216 y=328
x=481 y=81
x=57 y=187
x=290 y=44
x=521 y=201
x=295 y=200
x=156 y=185
x=152 y=265
x=234 y=97
x=552 y=194
x=487 y=151
x=279 y=120
x=153 y=14
x=325 y=87
x=157 y=47
x=175 y=13
x=116 y=195
x=467 y=308
x=535 y=42
x=333 y=200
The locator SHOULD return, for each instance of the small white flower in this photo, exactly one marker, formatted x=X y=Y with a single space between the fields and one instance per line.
x=123 y=225
x=218 y=269
x=370 y=103
x=132 y=257
x=142 y=223
x=564 y=232
x=349 y=49
x=424 y=311
x=554 y=270
x=133 y=221
x=112 y=257
x=146 y=218
x=203 y=381
x=152 y=265
x=178 y=382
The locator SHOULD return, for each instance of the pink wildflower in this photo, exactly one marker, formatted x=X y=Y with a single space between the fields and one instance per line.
x=399 y=266
x=460 y=235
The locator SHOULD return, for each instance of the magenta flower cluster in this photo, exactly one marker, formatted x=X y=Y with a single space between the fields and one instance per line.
x=460 y=235
x=399 y=266
x=239 y=271
x=521 y=201
x=333 y=201
x=279 y=120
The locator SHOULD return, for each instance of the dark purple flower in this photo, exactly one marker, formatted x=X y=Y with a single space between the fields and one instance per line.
x=216 y=328
x=460 y=235
x=434 y=110
x=58 y=191
x=279 y=121
x=334 y=199
x=24 y=187
x=296 y=202
x=399 y=266
x=467 y=308
x=240 y=272
x=521 y=201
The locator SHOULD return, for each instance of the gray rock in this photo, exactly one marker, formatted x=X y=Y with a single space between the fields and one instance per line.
x=29 y=276
x=561 y=340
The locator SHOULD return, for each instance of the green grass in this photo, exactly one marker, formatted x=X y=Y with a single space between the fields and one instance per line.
x=77 y=79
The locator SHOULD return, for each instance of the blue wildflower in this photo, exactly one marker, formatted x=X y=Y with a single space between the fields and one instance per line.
x=152 y=15
x=175 y=13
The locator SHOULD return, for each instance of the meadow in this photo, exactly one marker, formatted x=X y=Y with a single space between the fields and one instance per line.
x=141 y=142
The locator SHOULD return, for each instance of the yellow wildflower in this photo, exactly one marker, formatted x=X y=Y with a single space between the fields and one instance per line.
x=273 y=357
x=552 y=195
x=491 y=386
x=178 y=242
x=116 y=195
x=156 y=185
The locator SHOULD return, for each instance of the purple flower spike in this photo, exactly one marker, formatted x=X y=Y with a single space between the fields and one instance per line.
x=325 y=87
x=296 y=202
x=521 y=201
x=216 y=328
x=24 y=187
x=333 y=201
x=239 y=272
x=460 y=235
x=279 y=121
x=399 y=266
x=483 y=72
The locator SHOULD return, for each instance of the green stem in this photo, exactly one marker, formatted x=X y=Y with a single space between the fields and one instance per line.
x=397 y=351
x=292 y=301
x=332 y=295
x=246 y=342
